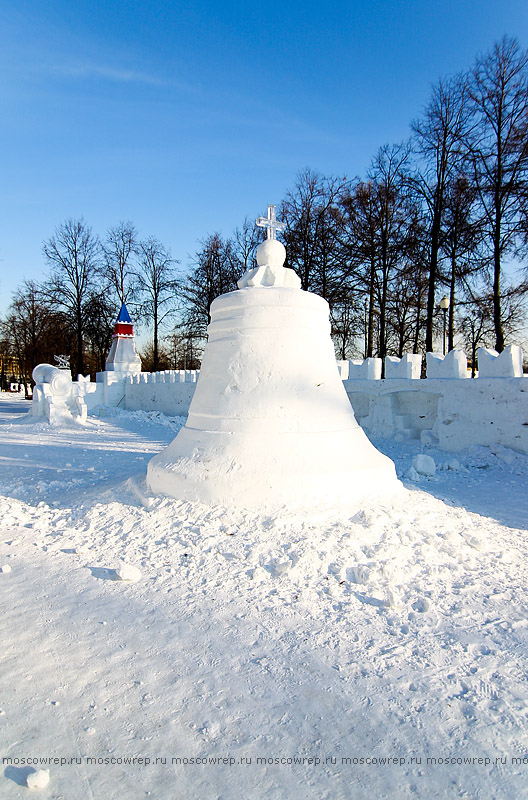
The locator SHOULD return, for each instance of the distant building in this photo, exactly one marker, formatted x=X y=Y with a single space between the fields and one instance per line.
x=10 y=371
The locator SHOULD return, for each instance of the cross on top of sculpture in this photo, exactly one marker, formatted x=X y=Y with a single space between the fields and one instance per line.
x=270 y=223
x=270 y=257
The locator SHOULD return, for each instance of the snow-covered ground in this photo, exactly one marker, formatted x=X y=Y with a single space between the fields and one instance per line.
x=380 y=653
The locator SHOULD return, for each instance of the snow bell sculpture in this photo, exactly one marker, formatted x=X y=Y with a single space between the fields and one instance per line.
x=270 y=423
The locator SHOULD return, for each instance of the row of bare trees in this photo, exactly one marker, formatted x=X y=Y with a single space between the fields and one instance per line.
x=73 y=310
x=441 y=214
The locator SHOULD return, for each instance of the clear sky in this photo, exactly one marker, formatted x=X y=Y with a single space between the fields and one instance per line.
x=186 y=117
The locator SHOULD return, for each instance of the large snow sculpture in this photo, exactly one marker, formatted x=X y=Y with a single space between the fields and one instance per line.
x=270 y=423
x=52 y=393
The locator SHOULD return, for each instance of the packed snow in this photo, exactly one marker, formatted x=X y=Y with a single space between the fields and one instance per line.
x=381 y=653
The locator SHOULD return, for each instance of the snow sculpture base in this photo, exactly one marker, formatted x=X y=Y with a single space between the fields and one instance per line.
x=270 y=423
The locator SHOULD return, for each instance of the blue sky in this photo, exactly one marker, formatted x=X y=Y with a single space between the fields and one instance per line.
x=187 y=117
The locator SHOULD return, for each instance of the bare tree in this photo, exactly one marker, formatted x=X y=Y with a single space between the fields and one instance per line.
x=359 y=235
x=460 y=244
x=476 y=327
x=34 y=331
x=151 y=362
x=405 y=304
x=437 y=138
x=215 y=271
x=73 y=254
x=99 y=315
x=312 y=213
x=184 y=346
x=120 y=249
x=497 y=150
x=346 y=321
x=300 y=210
x=394 y=218
x=244 y=243
x=158 y=285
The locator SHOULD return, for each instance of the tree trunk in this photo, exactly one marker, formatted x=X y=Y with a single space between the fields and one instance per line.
x=80 y=354
x=497 y=317
x=370 y=330
x=401 y=340
x=382 y=325
x=155 y=349
x=431 y=289
x=451 y=313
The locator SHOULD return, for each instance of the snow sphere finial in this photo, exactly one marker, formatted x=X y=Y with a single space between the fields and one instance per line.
x=271 y=253
x=271 y=256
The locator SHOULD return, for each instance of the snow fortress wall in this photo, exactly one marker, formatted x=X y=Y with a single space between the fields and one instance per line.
x=444 y=408
x=453 y=413
x=169 y=392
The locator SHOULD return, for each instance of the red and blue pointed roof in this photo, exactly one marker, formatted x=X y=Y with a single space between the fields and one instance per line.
x=123 y=326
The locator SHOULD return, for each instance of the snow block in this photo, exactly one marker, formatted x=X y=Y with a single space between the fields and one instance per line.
x=343 y=367
x=127 y=572
x=508 y=364
x=453 y=365
x=112 y=389
x=410 y=366
x=368 y=369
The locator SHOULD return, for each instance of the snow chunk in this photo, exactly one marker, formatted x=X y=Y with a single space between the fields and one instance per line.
x=428 y=438
x=5 y=568
x=424 y=465
x=504 y=453
x=127 y=572
x=453 y=465
x=359 y=573
x=277 y=563
x=38 y=779
x=412 y=475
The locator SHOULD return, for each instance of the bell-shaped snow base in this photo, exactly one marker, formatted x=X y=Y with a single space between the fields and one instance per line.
x=270 y=423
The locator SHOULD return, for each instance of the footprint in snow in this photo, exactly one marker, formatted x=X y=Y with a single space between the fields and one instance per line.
x=103 y=573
